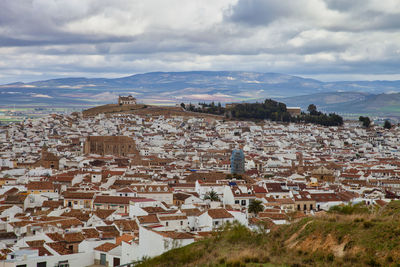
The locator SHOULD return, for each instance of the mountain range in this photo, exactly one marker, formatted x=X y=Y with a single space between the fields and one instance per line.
x=360 y=97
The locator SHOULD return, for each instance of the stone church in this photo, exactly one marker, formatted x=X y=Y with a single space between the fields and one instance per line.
x=110 y=145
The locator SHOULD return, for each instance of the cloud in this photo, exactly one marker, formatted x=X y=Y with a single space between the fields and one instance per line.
x=41 y=39
x=41 y=96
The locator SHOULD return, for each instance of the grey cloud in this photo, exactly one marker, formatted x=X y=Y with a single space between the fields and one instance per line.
x=259 y=12
x=39 y=38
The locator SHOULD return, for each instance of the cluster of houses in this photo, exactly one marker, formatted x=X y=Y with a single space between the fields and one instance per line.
x=114 y=189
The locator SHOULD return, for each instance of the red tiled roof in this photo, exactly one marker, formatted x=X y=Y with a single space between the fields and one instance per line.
x=219 y=213
x=106 y=247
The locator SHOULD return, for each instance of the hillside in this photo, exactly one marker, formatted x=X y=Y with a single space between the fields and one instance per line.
x=350 y=236
x=141 y=109
x=194 y=86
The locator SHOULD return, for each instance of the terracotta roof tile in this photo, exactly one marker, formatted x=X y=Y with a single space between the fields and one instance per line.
x=60 y=248
x=55 y=236
x=219 y=213
x=90 y=233
x=106 y=247
x=151 y=218
x=35 y=243
x=74 y=237
x=124 y=237
x=103 y=213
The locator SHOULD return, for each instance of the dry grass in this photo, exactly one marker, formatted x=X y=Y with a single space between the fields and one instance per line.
x=334 y=239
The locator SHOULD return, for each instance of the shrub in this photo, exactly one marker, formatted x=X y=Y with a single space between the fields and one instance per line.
x=368 y=224
x=373 y=263
x=330 y=257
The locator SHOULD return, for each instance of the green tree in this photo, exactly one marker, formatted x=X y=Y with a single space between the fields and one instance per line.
x=387 y=125
x=366 y=122
x=256 y=207
x=212 y=195
x=183 y=105
x=312 y=109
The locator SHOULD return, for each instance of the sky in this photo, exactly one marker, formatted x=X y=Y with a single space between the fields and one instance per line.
x=328 y=40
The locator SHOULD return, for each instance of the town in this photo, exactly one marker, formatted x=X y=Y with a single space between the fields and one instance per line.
x=111 y=189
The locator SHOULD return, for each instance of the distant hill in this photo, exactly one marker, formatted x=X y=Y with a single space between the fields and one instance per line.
x=173 y=87
x=350 y=236
x=350 y=102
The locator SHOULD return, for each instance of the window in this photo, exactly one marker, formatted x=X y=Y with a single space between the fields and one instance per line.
x=166 y=223
x=311 y=206
x=237 y=201
x=216 y=223
x=243 y=202
x=181 y=222
x=298 y=207
x=305 y=207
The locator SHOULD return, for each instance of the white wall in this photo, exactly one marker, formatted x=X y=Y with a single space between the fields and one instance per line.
x=75 y=260
x=152 y=244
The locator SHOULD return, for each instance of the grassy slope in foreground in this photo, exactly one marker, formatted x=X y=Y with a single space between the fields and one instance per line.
x=345 y=237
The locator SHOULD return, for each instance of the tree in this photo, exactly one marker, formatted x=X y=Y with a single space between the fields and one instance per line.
x=183 y=105
x=256 y=207
x=366 y=122
x=212 y=195
x=387 y=125
x=312 y=109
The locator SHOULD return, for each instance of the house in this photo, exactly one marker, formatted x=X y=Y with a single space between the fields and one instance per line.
x=126 y=192
x=153 y=243
x=174 y=222
x=51 y=254
x=239 y=195
x=181 y=198
x=136 y=206
x=159 y=192
x=40 y=187
x=192 y=215
x=7 y=239
x=304 y=202
x=275 y=217
x=214 y=218
x=19 y=200
x=107 y=254
x=121 y=204
x=8 y=211
x=78 y=200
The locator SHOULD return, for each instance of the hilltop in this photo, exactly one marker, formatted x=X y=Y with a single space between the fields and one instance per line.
x=141 y=109
x=348 y=236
